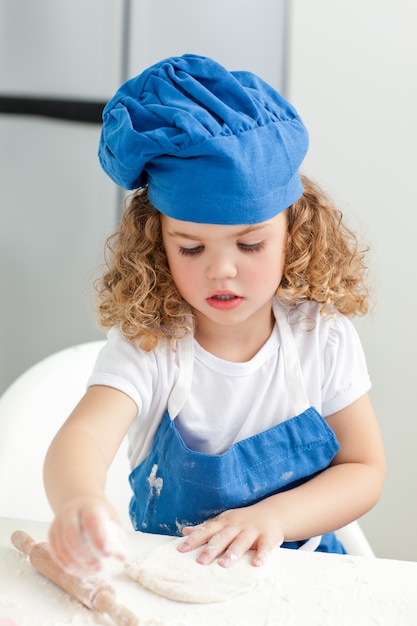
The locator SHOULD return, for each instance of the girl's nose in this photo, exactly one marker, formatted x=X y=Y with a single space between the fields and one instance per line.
x=221 y=267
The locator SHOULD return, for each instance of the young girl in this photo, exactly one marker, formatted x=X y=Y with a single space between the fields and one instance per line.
x=231 y=362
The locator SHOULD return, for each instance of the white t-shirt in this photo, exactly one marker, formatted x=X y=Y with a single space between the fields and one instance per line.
x=226 y=401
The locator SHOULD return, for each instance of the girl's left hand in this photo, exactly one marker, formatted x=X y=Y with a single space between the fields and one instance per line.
x=233 y=533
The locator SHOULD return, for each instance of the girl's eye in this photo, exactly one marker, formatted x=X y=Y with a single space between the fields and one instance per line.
x=191 y=251
x=252 y=247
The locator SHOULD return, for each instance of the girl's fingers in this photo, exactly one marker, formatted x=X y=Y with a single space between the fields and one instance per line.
x=260 y=557
x=264 y=549
x=241 y=544
x=81 y=541
x=77 y=554
x=196 y=537
x=216 y=545
x=202 y=533
x=230 y=535
x=227 y=542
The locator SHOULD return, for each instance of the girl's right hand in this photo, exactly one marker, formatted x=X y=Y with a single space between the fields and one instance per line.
x=85 y=532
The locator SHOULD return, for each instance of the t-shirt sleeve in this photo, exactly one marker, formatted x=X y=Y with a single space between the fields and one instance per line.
x=117 y=366
x=146 y=377
x=345 y=372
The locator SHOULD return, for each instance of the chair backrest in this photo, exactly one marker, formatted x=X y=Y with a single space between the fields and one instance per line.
x=31 y=411
x=354 y=540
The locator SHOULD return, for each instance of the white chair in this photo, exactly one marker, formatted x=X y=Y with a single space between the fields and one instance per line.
x=31 y=411
x=354 y=540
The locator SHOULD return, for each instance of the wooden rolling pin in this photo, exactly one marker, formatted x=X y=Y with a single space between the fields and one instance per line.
x=93 y=592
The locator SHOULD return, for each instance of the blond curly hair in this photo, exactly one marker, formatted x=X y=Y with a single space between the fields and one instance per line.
x=136 y=292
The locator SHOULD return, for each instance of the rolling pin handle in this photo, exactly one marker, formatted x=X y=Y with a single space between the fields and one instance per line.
x=104 y=600
x=23 y=542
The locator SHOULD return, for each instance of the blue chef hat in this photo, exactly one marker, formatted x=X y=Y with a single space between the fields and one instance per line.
x=213 y=146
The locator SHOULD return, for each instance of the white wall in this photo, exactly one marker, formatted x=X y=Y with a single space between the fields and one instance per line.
x=240 y=34
x=353 y=78
x=56 y=205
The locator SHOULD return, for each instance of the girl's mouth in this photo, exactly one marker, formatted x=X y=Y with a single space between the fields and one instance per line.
x=224 y=296
x=224 y=301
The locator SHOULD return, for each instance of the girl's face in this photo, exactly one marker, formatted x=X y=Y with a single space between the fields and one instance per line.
x=227 y=274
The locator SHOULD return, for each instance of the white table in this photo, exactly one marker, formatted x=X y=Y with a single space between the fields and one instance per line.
x=307 y=589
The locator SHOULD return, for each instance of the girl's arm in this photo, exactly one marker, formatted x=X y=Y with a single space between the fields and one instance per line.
x=75 y=477
x=340 y=494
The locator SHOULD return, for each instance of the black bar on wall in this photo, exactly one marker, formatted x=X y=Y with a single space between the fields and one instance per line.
x=72 y=110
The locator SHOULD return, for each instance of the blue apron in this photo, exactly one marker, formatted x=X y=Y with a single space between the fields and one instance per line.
x=176 y=487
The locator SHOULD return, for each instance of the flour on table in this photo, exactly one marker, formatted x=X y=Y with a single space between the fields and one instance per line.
x=177 y=575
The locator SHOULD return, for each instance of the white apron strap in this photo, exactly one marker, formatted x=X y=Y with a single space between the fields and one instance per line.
x=293 y=373
x=295 y=383
x=179 y=393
